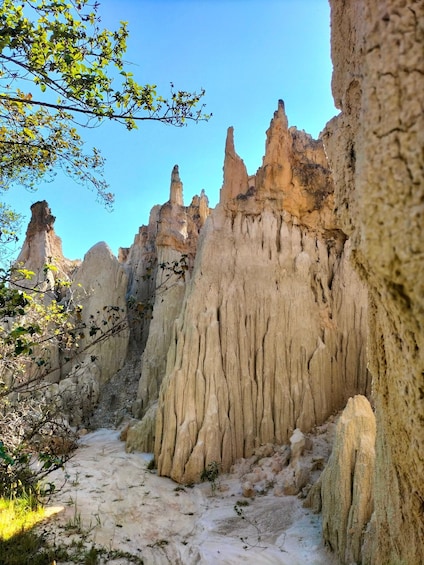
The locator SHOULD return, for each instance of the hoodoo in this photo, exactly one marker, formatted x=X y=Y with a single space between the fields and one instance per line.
x=272 y=331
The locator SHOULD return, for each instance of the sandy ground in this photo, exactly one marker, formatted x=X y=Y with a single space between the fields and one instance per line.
x=118 y=503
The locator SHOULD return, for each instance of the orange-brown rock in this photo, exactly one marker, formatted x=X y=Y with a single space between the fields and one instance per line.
x=294 y=177
x=271 y=336
x=375 y=148
x=43 y=247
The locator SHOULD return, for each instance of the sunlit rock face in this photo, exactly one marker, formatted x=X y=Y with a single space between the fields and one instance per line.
x=165 y=273
x=98 y=284
x=43 y=247
x=272 y=332
x=375 y=151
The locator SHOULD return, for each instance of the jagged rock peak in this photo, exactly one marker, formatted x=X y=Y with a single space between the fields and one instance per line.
x=294 y=177
x=42 y=246
x=42 y=219
x=235 y=173
x=176 y=191
x=280 y=114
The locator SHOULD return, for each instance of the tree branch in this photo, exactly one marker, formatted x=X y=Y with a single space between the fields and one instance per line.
x=96 y=113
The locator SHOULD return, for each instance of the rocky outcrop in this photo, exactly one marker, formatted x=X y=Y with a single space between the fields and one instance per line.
x=272 y=332
x=43 y=247
x=345 y=487
x=171 y=262
x=375 y=151
x=99 y=287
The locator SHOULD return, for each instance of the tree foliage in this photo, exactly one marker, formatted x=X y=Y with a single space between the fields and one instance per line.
x=60 y=69
x=38 y=334
x=59 y=72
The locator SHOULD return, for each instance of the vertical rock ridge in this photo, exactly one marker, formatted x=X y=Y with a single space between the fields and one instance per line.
x=175 y=245
x=346 y=484
x=176 y=190
x=235 y=173
x=268 y=361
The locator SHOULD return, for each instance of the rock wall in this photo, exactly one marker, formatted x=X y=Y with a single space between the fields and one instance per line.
x=272 y=332
x=375 y=148
x=100 y=286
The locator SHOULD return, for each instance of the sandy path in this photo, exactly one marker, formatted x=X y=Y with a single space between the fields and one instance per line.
x=124 y=506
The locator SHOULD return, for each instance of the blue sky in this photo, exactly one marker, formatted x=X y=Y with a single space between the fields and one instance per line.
x=246 y=54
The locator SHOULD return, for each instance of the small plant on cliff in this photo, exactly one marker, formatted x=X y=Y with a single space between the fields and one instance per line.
x=211 y=473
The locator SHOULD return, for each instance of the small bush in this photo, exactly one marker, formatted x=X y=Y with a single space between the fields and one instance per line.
x=211 y=474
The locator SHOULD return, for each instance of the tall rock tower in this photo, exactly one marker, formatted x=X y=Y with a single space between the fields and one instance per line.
x=272 y=331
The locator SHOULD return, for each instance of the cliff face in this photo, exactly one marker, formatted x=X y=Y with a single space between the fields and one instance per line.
x=100 y=286
x=375 y=150
x=271 y=335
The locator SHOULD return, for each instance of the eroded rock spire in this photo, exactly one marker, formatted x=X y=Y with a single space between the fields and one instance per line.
x=235 y=173
x=176 y=191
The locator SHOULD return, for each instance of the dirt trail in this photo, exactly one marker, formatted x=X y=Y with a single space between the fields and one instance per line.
x=117 y=503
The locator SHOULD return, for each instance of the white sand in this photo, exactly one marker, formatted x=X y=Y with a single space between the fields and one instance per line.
x=124 y=506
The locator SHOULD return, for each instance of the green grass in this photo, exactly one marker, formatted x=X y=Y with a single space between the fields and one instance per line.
x=18 y=515
x=21 y=544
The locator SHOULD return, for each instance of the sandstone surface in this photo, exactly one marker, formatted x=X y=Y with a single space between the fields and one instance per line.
x=375 y=148
x=166 y=272
x=99 y=287
x=346 y=483
x=272 y=331
x=43 y=247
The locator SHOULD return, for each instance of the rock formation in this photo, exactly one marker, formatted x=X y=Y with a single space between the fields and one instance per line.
x=43 y=247
x=100 y=286
x=375 y=150
x=171 y=261
x=345 y=488
x=271 y=336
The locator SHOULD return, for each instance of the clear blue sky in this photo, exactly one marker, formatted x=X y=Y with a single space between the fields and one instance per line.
x=246 y=54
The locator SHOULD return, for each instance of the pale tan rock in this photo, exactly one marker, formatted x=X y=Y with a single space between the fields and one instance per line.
x=140 y=435
x=347 y=481
x=42 y=255
x=100 y=287
x=272 y=332
x=247 y=490
x=375 y=150
x=173 y=249
x=176 y=190
x=79 y=393
x=297 y=446
x=235 y=174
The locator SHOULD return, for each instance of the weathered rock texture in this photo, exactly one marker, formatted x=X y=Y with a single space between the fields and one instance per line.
x=100 y=286
x=43 y=247
x=375 y=147
x=175 y=245
x=346 y=483
x=272 y=332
